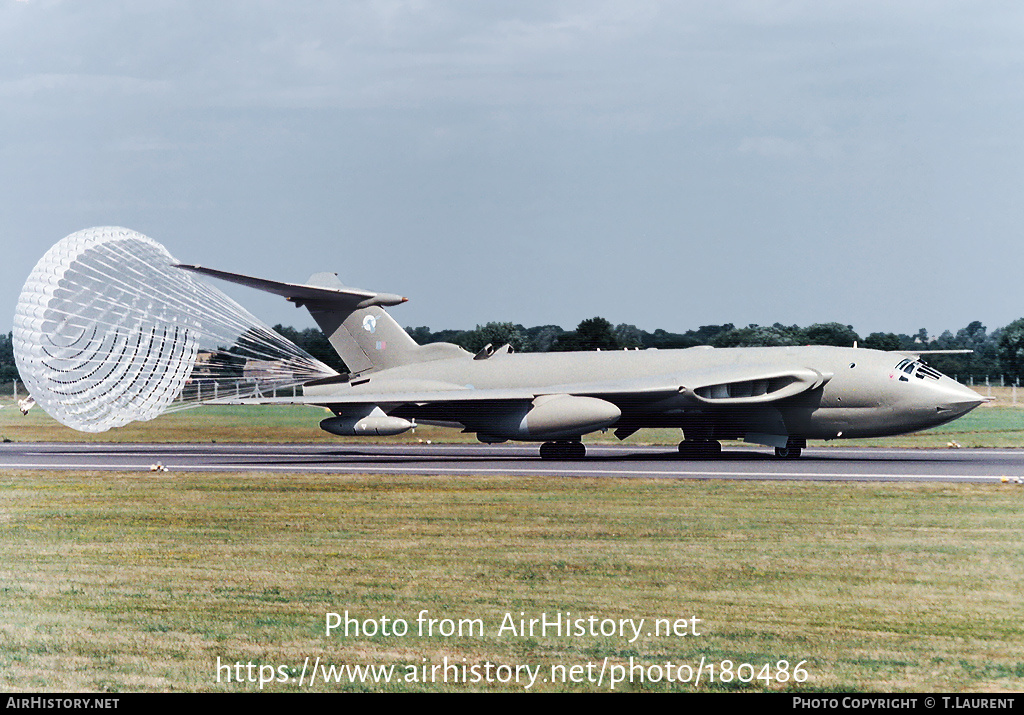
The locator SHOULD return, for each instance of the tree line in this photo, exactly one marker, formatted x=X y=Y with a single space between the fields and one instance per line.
x=999 y=352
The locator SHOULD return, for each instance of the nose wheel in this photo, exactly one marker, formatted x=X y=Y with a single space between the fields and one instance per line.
x=563 y=449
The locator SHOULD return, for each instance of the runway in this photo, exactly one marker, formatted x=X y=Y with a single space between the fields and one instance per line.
x=737 y=462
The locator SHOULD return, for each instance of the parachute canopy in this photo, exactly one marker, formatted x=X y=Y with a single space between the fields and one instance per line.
x=107 y=331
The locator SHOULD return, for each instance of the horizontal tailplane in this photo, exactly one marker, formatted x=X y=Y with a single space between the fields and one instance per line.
x=354 y=320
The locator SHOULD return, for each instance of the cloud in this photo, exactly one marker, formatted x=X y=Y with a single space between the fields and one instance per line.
x=534 y=134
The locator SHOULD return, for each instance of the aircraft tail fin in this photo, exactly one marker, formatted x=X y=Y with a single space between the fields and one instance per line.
x=354 y=320
x=364 y=334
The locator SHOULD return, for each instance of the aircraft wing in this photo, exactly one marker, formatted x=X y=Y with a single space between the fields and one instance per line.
x=724 y=387
x=455 y=395
x=933 y=352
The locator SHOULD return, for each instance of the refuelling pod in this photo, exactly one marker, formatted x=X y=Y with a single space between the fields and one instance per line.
x=374 y=423
x=550 y=417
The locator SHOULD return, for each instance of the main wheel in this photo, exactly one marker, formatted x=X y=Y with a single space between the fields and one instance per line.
x=563 y=449
x=787 y=452
x=700 y=448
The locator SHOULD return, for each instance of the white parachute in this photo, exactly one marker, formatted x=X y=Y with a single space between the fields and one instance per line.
x=108 y=331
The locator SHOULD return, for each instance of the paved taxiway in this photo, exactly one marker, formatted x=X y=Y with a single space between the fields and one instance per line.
x=821 y=464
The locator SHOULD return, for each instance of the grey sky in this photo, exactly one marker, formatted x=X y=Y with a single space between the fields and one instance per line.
x=666 y=164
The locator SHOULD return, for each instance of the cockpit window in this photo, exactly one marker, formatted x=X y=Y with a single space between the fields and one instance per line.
x=918 y=369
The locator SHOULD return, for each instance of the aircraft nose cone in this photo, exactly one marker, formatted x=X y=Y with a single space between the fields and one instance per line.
x=953 y=399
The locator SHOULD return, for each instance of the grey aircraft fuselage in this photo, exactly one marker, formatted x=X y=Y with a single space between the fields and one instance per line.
x=866 y=396
x=778 y=396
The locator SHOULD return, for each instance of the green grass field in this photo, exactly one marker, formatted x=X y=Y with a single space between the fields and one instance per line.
x=126 y=582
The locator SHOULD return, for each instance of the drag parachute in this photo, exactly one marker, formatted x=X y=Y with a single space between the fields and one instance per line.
x=107 y=331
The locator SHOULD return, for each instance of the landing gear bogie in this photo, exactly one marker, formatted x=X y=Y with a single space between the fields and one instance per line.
x=700 y=448
x=563 y=449
x=792 y=450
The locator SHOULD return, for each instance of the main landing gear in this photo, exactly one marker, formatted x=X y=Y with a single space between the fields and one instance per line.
x=792 y=450
x=563 y=449
x=712 y=449
x=700 y=448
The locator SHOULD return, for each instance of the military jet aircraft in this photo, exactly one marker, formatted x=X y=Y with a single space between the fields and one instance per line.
x=779 y=397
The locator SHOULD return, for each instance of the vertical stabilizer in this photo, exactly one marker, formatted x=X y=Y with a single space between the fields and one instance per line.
x=365 y=338
x=354 y=320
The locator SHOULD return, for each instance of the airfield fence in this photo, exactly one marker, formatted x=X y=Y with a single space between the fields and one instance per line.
x=209 y=389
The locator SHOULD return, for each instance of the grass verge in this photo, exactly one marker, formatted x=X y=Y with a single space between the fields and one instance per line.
x=140 y=582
